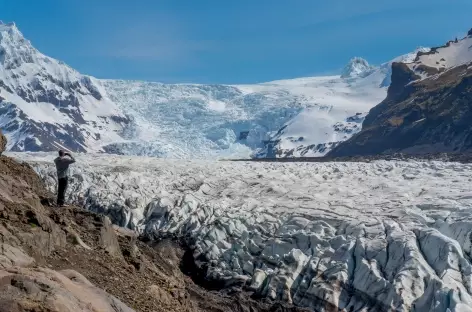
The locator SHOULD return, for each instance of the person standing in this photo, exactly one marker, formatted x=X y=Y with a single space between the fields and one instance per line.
x=62 y=166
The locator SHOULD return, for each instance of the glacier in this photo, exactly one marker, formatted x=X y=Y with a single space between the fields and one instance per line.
x=350 y=236
x=206 y=121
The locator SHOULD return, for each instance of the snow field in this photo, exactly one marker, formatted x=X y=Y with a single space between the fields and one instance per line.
x=379 y=236
x=454 y=54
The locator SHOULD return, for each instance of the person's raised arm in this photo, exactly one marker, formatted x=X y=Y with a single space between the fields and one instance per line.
x=72 y=159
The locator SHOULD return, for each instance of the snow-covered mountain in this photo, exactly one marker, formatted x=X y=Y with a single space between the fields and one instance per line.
x=44 y=104
x=337 y=110
x=357 y=67
x=286 y=118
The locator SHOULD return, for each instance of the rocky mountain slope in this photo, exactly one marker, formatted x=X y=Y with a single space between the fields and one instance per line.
x=428 y=106
x=45 y=105
x=72 y=260
x=314 y=132
x=370 y=236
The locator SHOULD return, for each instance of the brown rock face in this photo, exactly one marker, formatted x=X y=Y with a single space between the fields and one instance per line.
x=108 y=239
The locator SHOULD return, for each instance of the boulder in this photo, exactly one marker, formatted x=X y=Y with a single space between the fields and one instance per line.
x=108 y=238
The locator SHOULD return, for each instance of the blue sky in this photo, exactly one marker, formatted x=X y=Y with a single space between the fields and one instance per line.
x=231 y=41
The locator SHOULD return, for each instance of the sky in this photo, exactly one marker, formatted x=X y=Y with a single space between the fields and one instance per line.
x=231 y=41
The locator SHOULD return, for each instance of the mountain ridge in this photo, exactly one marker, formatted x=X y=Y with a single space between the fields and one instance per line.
x=427 y=107
x=46 y=105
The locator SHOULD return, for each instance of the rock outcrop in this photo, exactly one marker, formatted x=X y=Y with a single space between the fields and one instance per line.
x=67 y=290
x=3 y=142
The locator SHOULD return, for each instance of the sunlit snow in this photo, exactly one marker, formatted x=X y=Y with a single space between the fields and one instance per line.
x=451 y=55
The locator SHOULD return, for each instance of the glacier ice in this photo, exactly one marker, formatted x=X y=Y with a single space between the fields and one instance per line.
x=206 y=121
x=375 y=236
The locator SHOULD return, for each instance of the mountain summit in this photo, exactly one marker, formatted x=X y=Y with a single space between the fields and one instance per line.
x=357 y=67
x=14 y=49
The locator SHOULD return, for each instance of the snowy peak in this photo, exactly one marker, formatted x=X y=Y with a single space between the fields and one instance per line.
x=357 y=67
x=14 y=49
x=8 y=26
x=45 y=104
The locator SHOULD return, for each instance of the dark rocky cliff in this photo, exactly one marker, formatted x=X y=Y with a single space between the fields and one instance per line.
x=418 y=116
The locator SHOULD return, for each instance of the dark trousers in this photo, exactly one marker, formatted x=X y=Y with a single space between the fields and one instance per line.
x=61 y=190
